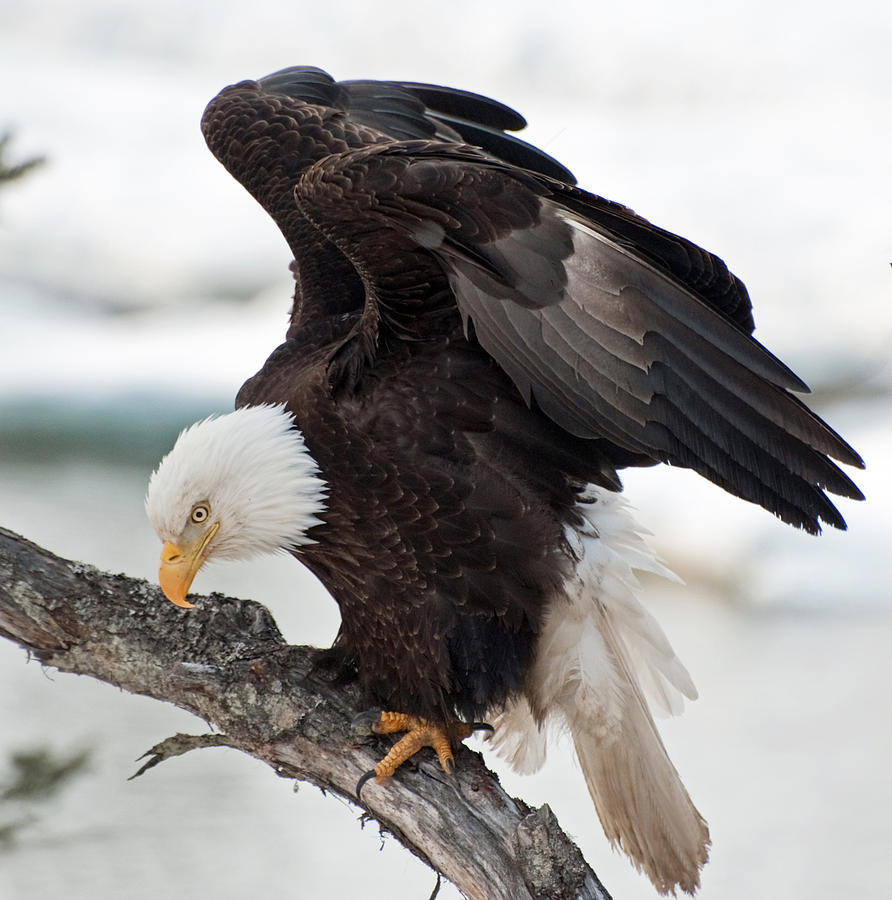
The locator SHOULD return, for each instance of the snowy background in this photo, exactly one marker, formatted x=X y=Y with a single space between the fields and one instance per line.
x=139 y=286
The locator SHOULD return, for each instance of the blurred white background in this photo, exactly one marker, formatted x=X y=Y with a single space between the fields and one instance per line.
x=140 y=285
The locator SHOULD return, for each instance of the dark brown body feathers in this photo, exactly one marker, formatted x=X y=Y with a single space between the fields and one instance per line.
x=473 y=341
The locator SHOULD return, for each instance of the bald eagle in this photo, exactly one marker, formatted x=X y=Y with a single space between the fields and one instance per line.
x=475 y=347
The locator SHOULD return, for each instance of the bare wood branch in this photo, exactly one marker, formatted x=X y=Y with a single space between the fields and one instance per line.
x=226 y=662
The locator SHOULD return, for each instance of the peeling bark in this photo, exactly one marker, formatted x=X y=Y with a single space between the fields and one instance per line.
x=226 y=662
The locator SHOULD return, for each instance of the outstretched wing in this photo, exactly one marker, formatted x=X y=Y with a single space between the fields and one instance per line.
x=610 y=336
x=613 y=327
x=268 y=132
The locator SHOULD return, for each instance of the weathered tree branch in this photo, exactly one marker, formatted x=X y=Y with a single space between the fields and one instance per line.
x=226 y=662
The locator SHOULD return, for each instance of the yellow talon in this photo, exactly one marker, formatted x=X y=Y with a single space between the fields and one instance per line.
x=419 y=733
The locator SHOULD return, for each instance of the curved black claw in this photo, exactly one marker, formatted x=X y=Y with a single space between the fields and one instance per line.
x=361 y=783
x=482 y=726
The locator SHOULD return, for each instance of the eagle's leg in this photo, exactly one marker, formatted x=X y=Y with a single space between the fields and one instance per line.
x=419 y=733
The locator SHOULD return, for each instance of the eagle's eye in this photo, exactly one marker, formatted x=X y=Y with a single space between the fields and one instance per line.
x=200 y=513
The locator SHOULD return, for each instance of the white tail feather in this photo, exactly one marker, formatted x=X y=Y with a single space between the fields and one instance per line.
x=518 y=738
x=598 y=652
x=641 y=802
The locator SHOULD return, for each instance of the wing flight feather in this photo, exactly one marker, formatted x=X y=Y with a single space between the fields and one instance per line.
x=608 y=343
x=616 y=329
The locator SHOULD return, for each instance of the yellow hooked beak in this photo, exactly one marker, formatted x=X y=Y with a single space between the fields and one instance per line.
x=179 y=566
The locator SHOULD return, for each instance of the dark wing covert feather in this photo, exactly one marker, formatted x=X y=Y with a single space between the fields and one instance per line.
x=614 y=327
x=606 y=342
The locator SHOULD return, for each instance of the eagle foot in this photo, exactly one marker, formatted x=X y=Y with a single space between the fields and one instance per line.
x=419 y=733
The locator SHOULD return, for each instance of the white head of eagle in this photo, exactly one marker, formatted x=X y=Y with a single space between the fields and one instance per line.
x=233 y=487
